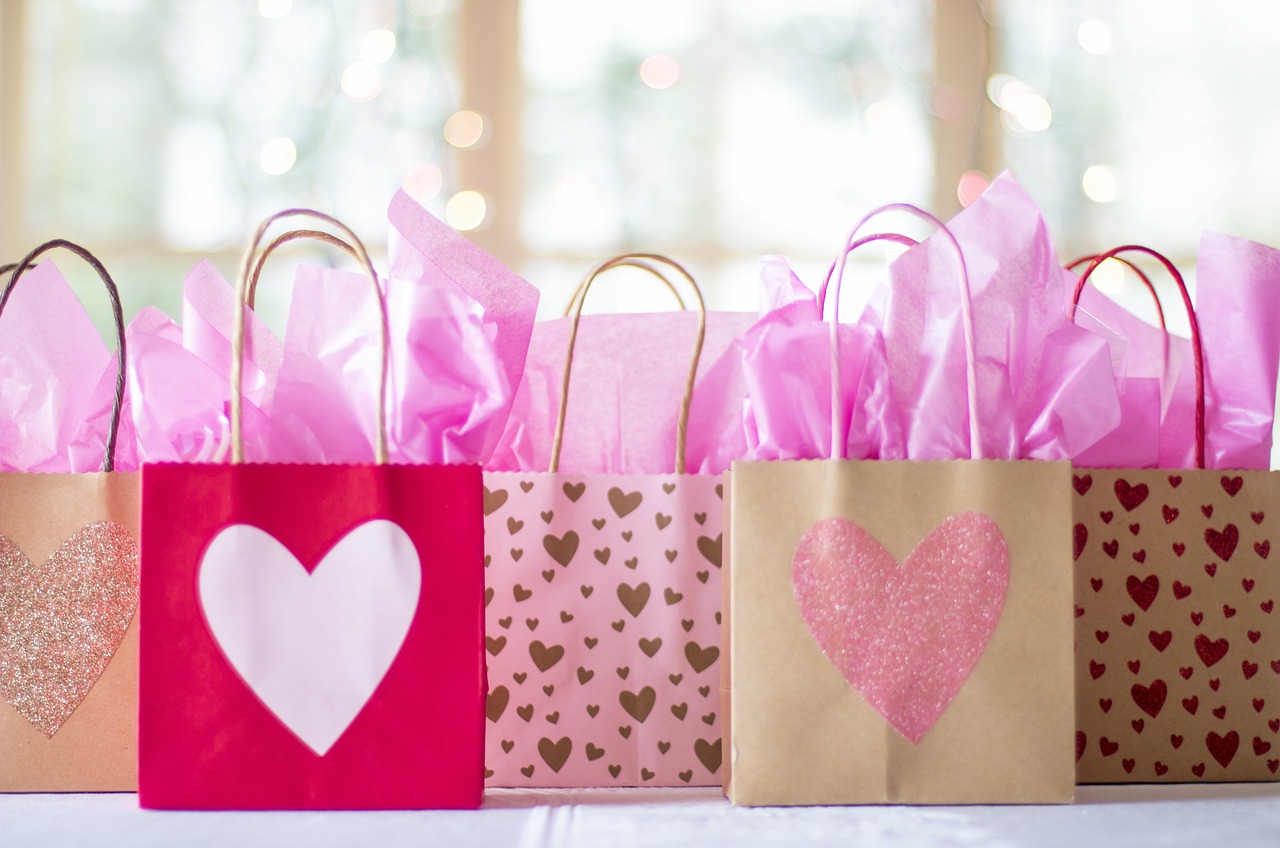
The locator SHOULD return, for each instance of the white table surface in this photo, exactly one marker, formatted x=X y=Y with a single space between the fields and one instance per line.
x=1221 y=816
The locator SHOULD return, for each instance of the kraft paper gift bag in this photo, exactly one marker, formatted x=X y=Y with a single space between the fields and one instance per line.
x=314 y=631
x=899 y=631
x=68 y=549
x=1177 y=648
x=603 y=609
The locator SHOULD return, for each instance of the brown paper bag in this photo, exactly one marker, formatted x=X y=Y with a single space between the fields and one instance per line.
x=68 y=634
x=802 y=692
x=1177 y=649
x=898 y=631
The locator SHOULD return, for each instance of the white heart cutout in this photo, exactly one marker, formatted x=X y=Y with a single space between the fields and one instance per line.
x=312 y=647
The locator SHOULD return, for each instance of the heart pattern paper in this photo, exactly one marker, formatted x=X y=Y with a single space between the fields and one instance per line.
x=1177 y=649
x=312 y=645
x=603 y=629
x=905 y=636
x=62 y=620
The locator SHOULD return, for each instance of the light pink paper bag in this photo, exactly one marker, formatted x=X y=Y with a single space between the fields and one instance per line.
x=603 y=599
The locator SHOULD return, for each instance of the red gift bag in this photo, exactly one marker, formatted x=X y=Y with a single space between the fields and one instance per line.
x=313 y=634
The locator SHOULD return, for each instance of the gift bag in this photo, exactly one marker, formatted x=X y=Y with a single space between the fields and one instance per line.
x=898 y=631
x=603 y=612
x=314 y=635
x=1177 y=651
x=68 y=574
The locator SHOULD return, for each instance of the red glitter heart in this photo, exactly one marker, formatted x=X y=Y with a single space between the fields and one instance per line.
x=1220 y=712
x=1143 y=592
x=1186 y=671
x=1254 y=636
x=1175 y=480
x=1128 y=765
x=1274 y=724
x=1191 y=704
x=1266 y=606
x=1257 y=517
x=1262 y=548
x=1097 y=669
x=1096 y=583
x=1128 y=618
x=1207 y=510
x=1214 y=684
x=1175 y=740
x=1273 y=765
x=1231 y=485
x=1249 y=669
x=1196 y=618
x=1210 y=652
x=1198 y=769
x=1101 y=635
x=1105 y=704
x=1160 y=641
x=1138 y=724
x=1178 y=548
x=1223 y=748
x=1150 y=698
x=1260 y=746
x=1258 y=704
x=1247 y=584
x=1140 y=556
x=1130 y=497
x=1134 y=528
x=1228 y=611
x=1211 y=568
x=1081 y=482
x=1081 y=538
x=1161 y=769
x=1180 y=590
x=1107 y=747
x=1223 y=543
x=1135 y=665
x=1106 y=516
x=1081 y=741
x=1079 y=610
x=1111 y=548
x=1170 y=513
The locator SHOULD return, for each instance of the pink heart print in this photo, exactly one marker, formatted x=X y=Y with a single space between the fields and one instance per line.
x=907 y=636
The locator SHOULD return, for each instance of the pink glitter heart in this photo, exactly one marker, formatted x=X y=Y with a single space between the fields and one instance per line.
x=905 y=637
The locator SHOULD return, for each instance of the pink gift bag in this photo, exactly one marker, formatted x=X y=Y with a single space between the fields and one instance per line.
x=602 y=620
x=313 y=634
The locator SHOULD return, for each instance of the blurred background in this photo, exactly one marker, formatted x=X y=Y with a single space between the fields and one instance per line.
x=556 y=132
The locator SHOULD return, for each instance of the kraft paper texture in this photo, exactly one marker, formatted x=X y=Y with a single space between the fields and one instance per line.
x=802 y=735
x=95 y=750
x=1177 y=644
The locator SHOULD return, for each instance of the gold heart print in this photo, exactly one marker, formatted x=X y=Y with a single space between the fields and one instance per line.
x=61 y=621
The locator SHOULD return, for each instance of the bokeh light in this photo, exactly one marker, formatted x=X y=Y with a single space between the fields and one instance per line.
x=466 y=210
x=1095 y=37
x=361 y=81
x=1099 y=184
x=378 y=45
x=464 y=129
x=971 y=186
x=278 y=156
x=274 y=9
x=659 y=71
x=1109 y=276
x=423 y=182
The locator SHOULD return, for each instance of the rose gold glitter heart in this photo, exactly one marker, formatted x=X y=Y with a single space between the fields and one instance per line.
x=61 y=621
x=904 y=636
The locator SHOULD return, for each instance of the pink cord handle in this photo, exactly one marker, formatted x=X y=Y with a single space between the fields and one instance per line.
x=896 y=238
x=1197 y=349
x=1142 y=275
x=839 y=438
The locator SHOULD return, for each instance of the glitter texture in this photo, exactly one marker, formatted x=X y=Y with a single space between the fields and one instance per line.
x=61 y=621
x=905 y=637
